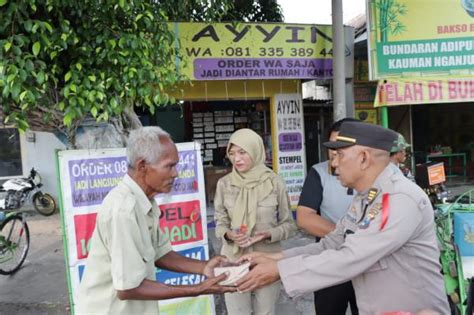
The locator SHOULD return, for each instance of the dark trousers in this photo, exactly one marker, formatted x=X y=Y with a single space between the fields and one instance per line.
x=334 y=300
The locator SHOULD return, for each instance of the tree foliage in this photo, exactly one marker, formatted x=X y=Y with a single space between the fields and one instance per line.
x=254 y=11
x=62 y=60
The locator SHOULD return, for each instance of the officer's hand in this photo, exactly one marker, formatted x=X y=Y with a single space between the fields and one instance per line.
x=216 y=261
x=211 y=286
x=264 y=272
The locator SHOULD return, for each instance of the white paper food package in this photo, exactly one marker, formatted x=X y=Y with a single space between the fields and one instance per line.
x=235 y=273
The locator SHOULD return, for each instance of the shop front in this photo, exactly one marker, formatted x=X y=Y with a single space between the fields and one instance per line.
x=248 y=76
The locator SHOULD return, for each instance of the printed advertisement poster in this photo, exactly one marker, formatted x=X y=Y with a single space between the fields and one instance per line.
x=181 y=222
x=426 y=90
x=414 y=37
x=177 y=278
x=230 y=51
x=86 y=176
x=289 y=157
x=198 y=306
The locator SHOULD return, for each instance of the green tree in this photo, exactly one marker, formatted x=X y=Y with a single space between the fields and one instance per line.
x=254 y=11
x=62 y=60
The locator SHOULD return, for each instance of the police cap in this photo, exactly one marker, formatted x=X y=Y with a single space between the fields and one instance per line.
x=365 y=134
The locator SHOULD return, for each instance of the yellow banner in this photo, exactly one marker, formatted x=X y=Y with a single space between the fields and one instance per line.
x=199 y=305
x=229 y=51
x=411 y=37
x=408 y=91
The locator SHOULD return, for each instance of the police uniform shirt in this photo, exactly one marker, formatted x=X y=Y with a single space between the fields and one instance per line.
x=124 y=247
x=395 y=268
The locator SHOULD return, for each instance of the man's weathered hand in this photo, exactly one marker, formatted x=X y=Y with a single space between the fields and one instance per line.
x=211 y=286
x=214 y=262
x=264 y=272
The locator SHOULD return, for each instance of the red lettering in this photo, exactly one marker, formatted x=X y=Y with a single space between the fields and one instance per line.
x=418 y=91
x=454 y=28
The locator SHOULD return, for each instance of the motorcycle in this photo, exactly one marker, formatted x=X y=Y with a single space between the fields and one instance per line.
x=431 y=177
x=15 y=192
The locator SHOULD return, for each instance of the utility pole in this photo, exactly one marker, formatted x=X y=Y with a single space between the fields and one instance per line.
x=339 y=75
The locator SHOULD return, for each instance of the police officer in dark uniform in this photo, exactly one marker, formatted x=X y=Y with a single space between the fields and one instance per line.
x=386 y=243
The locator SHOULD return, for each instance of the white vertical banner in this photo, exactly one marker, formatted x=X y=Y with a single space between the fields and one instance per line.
x=86 y=176
x=289 y=143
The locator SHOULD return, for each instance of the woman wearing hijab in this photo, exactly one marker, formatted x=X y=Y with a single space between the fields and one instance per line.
x=252 y=212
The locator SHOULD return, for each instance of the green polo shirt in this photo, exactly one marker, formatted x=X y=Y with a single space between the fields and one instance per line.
x=124 y=247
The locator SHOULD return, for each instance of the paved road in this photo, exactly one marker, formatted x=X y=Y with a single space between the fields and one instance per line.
x=39 y=287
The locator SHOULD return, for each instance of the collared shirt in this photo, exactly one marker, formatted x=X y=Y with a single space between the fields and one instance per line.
x=392 y=269
x=124 y=247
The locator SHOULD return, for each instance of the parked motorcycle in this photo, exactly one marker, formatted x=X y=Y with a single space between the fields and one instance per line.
x=431 y=177
x=15 y=192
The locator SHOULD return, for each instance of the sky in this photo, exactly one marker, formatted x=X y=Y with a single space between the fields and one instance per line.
x=318 y=11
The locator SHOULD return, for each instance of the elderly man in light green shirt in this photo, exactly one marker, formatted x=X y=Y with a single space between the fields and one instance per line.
x=127 y=243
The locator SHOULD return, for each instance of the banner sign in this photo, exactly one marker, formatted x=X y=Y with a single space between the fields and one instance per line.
x=199 y=305
x=178 y=278
x=187 y=182
x=86 y=176
x=91 y=180
x=414 y=37
x=246 y=51
x=426 y=90
x=289 y=149
x=181 y=222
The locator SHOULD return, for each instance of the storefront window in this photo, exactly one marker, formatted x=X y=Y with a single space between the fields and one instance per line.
x=10 y=153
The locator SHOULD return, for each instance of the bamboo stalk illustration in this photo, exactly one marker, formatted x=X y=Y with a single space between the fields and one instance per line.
x=388 y=13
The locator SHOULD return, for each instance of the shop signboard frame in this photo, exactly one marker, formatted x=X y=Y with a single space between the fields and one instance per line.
x=251 y=51
x=289 y=152
x=424 y=90
x=420 y=37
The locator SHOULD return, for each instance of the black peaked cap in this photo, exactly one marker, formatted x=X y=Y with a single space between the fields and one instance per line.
x=360 y=133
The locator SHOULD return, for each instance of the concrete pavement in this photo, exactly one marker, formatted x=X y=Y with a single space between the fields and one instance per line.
x=39 y=287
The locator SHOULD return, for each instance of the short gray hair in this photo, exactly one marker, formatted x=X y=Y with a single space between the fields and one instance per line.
x=145 y=143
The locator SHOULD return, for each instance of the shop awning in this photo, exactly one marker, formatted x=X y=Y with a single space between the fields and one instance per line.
x=424 y=90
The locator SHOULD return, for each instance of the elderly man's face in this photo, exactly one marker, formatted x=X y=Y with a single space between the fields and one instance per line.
x=346 y=163
x=159 y=176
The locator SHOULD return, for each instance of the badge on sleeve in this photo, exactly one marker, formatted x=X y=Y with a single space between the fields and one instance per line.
x=373 y=212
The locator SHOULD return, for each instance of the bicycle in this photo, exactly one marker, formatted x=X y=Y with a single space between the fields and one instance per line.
x=14 y=241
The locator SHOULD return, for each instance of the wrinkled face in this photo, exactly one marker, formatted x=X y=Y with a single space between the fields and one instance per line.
x=347 y=163
x=159 y=176
x=240 y=159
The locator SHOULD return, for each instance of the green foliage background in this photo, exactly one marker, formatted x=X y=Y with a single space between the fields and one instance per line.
x=64 y=60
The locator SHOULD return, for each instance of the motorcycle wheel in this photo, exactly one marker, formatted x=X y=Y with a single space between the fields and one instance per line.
x=44 y=203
